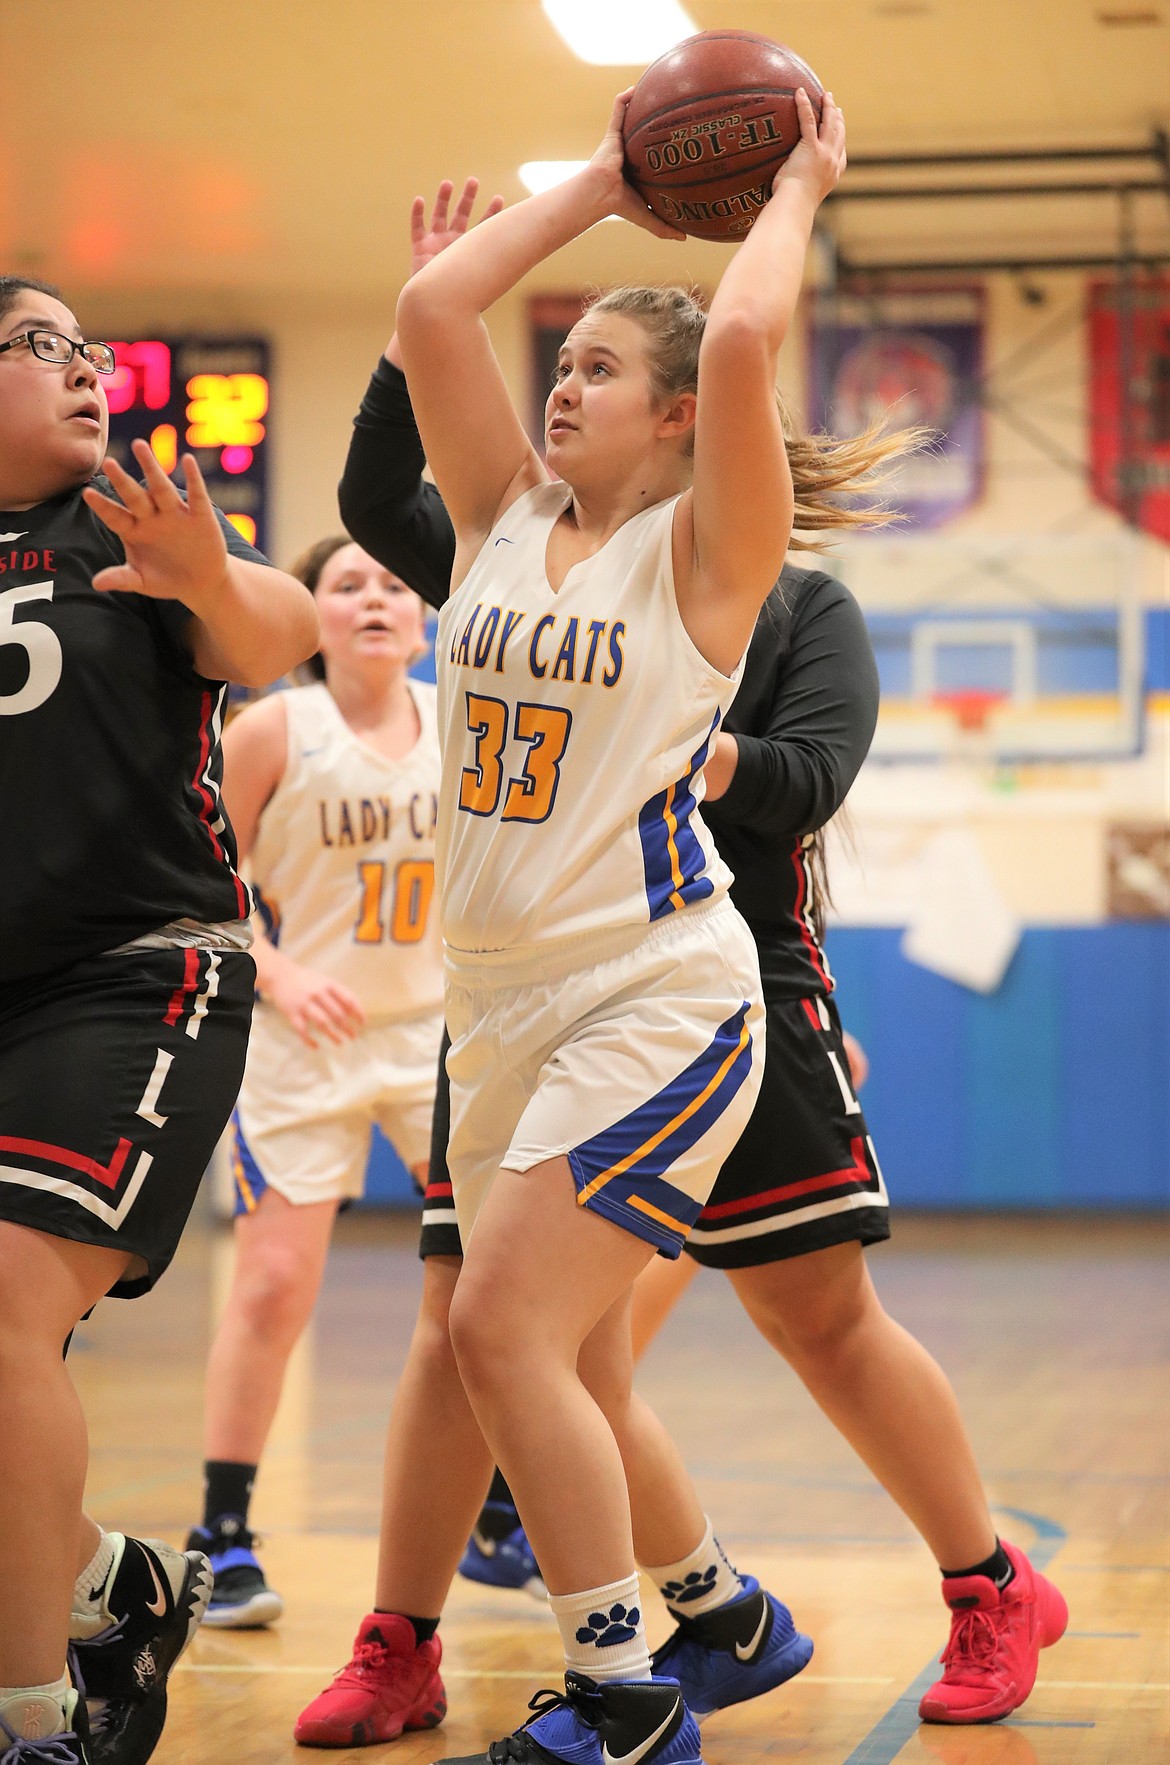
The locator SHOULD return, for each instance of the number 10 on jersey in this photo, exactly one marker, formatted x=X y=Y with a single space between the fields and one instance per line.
x=414 y=884
x=532 y=791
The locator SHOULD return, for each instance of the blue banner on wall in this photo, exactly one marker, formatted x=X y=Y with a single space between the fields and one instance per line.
x=908 y=357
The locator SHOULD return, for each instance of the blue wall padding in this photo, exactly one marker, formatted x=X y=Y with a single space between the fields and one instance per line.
x=1158 y=649
x=388 y=1182
x=1052 y=1092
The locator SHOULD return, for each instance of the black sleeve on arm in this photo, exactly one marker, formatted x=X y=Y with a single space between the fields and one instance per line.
x=385 y=502
x=795 y=773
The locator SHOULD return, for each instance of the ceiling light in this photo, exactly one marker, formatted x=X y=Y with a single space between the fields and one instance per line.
x=538 y=175
x=619 y=33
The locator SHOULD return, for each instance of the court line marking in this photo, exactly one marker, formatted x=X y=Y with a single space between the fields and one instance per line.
x=901 y=1721
x=528 y=1673
x=1030 y=1724
x=293 y=1451
x=1139 y=1685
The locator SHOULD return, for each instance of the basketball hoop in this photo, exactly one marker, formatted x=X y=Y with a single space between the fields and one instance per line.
x=973 y=737
x=971 y=708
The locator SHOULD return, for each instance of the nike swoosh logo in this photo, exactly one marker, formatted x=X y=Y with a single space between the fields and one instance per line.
x=640 y=1751
x=503 y=540
x=7 y=536
x=742 y=1654
x=487 y=1546
x=158 y=1606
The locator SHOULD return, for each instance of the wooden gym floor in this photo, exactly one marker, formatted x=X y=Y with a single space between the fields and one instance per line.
x=1054 y=1332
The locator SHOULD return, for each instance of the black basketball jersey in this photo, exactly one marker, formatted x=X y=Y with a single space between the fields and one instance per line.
x=110 y=817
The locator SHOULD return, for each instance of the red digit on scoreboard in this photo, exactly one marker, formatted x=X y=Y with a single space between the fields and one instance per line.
x=142 y=376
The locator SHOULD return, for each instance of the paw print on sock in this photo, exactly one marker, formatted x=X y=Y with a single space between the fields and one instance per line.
x=604 y=1629
x=692 y=1587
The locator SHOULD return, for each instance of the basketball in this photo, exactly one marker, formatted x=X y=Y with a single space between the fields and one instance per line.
x=708 y=126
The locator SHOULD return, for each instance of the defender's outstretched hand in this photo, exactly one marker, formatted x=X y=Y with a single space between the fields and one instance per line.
x=426 y=241
x=174 y=549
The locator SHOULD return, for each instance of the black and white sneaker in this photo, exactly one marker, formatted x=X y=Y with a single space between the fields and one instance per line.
x=154 y=1598
x=644 y=1721
x=241 y=1598
x=22 y=1744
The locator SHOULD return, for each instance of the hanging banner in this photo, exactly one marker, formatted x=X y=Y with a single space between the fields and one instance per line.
x=906 y=356
x=1129 y=424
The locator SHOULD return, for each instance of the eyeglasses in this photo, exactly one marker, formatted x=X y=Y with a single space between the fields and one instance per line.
x=51 y=346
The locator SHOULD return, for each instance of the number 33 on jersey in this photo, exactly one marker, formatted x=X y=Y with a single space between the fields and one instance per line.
x=574 y=727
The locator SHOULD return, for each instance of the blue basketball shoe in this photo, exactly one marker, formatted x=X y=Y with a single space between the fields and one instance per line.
x=241 y=1599
x=592 y=1723
x=738 y=1651
x=503 y=1562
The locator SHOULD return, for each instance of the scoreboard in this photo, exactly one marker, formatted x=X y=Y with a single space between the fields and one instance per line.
x=210 y=396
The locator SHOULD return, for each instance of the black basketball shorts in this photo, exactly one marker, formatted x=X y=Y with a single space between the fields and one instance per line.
x=804 y=1174
x=117 y=1075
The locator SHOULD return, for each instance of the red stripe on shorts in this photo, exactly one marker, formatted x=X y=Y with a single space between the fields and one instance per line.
x=187 y=985
x=857 y=1172
x=106 y=1174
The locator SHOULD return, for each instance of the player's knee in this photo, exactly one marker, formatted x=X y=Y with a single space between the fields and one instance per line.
x=275 y=1294
x=482 y=1335
x=818 y=1325
x=431 y=1343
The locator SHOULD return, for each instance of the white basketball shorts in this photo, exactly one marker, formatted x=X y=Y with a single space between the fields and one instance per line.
x=305 y=1115
x=639 y=1061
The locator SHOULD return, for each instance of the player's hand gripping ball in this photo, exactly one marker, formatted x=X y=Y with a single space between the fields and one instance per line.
x=708 y=126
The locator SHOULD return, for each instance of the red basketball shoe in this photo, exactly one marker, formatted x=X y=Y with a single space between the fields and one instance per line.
x=989 y=1663
x=391 y=1683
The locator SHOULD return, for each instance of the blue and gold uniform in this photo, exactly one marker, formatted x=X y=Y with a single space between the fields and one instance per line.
x=344 y=859
x=574 y=728
x=602 y=992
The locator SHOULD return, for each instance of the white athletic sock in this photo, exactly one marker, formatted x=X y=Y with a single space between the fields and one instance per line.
x=699 y=1582
x=90 y=1612
x=602 y=1631
x=31 y=1712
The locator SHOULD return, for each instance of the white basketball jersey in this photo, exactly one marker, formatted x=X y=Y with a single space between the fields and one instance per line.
x=574 y=726
x=344 y=857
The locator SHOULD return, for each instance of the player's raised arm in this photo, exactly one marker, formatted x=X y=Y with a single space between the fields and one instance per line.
x=250 y=623
x=385 y=503
x=743 y=497
x=475 y=442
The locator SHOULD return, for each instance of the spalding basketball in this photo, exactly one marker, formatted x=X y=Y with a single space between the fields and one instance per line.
x=708 y=126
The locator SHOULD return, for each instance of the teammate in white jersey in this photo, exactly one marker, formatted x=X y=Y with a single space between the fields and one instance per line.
x=602 y=994
x=332 y=788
